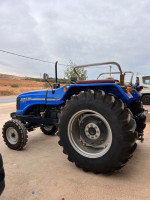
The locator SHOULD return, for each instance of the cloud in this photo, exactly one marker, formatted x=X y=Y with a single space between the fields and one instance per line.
x=83 y=31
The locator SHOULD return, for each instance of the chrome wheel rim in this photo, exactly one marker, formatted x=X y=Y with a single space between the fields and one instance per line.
x=12 y=135
x=89 y=133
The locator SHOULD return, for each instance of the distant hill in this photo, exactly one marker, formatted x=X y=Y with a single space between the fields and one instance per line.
x=7 y=76
x=51 y=79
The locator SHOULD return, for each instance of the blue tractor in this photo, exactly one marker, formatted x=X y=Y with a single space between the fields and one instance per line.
x=97 y=121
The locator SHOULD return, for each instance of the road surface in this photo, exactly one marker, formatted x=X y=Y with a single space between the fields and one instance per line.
x=7 y=99
x=42 y=169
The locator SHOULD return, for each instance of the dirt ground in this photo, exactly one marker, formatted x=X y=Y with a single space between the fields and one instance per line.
x=41 y=168
x=7 y=86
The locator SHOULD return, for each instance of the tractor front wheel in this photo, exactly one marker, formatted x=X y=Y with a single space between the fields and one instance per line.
x=96 y=130
x=15 y=134
x=49 y=130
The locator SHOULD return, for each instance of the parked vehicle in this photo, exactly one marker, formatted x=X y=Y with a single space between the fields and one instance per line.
x=145 y=92
x=98 y=121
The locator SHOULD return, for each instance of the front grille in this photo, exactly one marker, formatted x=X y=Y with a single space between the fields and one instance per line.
x=18 y=103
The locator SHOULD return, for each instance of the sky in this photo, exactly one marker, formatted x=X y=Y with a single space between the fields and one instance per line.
x=83 y=31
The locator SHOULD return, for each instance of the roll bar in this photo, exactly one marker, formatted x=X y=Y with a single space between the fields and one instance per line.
x=126 y=72
x=107 y=73
x=98 y=64
x=132 y=74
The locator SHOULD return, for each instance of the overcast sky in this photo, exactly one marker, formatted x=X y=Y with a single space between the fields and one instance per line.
x=84 y=31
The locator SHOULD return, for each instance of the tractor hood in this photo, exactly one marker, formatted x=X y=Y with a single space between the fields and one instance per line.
x=49 y=97
x=25 y=100
x=32 y=94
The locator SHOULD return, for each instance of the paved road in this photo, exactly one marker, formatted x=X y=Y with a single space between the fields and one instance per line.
x=7 y=99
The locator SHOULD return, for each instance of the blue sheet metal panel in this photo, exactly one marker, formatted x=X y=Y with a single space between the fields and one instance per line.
x=29 y=99
x=58 y=96
x=36 y=93
x=107 y=87
x=55 y=96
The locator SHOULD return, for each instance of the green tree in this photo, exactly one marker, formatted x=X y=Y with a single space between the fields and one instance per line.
x=69 y=72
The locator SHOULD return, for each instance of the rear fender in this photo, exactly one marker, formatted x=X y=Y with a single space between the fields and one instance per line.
x=112 y=88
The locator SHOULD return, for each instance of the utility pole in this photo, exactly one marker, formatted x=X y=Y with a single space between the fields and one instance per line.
x=110 y=69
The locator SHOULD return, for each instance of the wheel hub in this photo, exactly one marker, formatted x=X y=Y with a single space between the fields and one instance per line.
x=92 y=131
x=13 y=135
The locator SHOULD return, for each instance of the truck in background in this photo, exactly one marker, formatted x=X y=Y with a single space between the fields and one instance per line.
x=145 y=92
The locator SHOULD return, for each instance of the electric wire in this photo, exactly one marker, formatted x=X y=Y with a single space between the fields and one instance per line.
x=15 y=54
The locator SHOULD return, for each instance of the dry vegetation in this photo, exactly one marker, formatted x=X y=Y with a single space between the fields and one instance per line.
x=12 y=86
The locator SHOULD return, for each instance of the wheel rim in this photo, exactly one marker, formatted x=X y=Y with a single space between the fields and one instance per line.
x=12 y=135
x=48 y=128
x=89 y=133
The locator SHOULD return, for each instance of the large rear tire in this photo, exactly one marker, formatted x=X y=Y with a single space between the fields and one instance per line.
x=97 y=131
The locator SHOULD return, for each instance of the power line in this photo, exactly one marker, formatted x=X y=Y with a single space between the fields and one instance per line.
x=15 y=54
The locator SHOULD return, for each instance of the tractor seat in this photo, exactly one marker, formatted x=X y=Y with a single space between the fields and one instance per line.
x=96 y=81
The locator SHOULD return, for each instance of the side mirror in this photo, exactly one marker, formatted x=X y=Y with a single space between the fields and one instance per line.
x=45 y=77
x=73 y=80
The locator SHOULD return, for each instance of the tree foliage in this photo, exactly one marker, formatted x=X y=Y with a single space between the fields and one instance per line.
x=69 y=72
